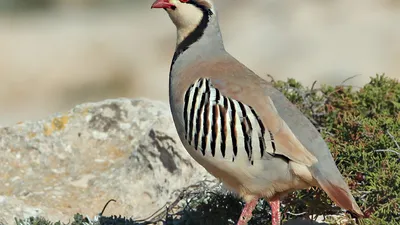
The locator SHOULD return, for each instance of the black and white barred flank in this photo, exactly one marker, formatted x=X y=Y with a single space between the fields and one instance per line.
x=220 y=125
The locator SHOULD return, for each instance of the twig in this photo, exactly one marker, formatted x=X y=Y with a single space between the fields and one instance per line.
x=391 y=150
x=104 y=208
x=271 y=77
x=349 y=78
x=155 y=214
x=296 y=214
x=353 y=86
x=185 y=193
x=312 y=86
x=394 y=140
x=388 y=150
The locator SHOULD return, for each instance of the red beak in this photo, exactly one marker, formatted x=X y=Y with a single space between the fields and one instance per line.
x=162 y=4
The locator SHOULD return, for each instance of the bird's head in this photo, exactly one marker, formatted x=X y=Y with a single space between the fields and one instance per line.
x=197 y=25
x=186 y=14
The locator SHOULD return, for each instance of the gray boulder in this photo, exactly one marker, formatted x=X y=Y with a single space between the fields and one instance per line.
x=74 y=162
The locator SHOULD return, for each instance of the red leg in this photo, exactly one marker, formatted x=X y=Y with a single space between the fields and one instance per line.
x=276 y=212
x=247 y=212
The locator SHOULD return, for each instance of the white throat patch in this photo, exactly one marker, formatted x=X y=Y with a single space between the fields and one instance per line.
x=186 y=18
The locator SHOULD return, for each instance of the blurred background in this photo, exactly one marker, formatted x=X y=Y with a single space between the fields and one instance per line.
x=55 y=54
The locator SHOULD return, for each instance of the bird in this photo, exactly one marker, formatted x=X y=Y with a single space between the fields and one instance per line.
x=236 y=125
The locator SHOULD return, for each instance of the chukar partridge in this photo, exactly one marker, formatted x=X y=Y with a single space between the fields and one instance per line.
x=238 y=126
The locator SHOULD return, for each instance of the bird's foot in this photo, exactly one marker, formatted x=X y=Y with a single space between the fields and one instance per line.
x=276 y=213
x=247 y=212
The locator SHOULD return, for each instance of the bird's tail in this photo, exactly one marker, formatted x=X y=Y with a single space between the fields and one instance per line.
x=339 y=192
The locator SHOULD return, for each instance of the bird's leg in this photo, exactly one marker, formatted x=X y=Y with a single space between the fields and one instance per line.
x=247 y=212
x=276 y=213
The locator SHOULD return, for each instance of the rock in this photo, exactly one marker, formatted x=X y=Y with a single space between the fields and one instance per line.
x=74 y=162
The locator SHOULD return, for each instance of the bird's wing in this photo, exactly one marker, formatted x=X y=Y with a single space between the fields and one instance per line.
x=239 y=117
x=251 y=94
